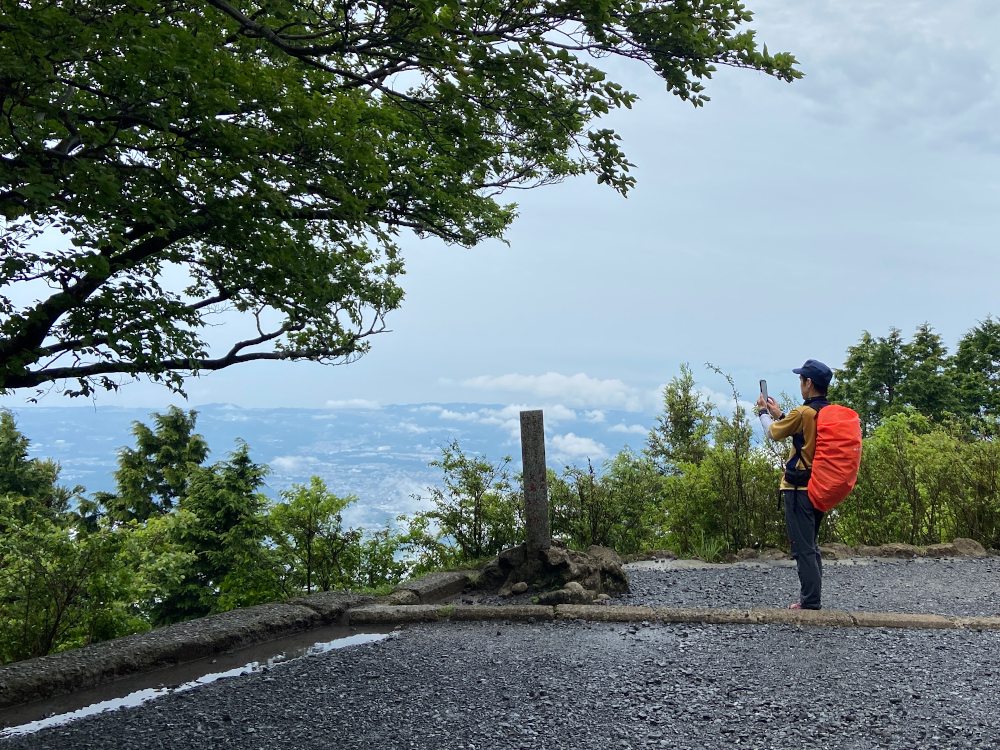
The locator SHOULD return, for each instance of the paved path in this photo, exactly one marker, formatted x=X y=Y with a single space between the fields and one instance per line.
x=572 y=685
x=473 y=686
x=959 y=587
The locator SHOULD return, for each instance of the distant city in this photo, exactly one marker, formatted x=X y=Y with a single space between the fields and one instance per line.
x=379 y=454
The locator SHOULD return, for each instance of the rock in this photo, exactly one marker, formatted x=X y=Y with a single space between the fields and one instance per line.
x=331 y=606
x=556 y=557
x=434 y=587
x=492 y=576
x=571 y=593
x=603 y=598
x=729 y=558
x=656 y=554
x=865 y=550
x=506 y=592
x=969 y=547
x=404 y=597
x=599 y=569
x=605 y=554
x=747 y=553
x=519 y=588
x=835 y=551
x=774 y=554
x=899 y=549
x=843 y=549
x=513 y=557
x=559 y=596
x=941 y=550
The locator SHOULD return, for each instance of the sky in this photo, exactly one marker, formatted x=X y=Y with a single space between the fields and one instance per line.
x=772 y=225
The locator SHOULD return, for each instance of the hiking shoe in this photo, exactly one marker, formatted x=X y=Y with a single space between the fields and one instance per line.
x=797 y=605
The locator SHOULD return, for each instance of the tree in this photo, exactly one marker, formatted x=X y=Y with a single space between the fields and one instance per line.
x=884 y=376
x=63 y=583
x=153 y=476
x=682 y=428
x=262 y=157
x=373 y=559
x=477 y=510
x=621 y=508
x=977 y=369
x=61 y=587
x=29 y=484
x=870 y=379
x=928 y=383
x=222 y=524
x=310 y=534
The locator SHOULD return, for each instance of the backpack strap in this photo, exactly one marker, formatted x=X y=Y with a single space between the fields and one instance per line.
x=798 y=450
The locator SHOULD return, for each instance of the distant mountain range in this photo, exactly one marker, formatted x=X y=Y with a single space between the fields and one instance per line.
x=379 y=454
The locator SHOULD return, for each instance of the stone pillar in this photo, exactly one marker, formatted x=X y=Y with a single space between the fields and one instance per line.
x=536 y=490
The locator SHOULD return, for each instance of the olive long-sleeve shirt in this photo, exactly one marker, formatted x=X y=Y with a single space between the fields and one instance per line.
x=800 y=425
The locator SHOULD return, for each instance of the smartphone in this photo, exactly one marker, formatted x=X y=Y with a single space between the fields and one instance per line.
x=763 y=389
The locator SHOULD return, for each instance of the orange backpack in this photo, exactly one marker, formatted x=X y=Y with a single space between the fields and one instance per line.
x=838 y=456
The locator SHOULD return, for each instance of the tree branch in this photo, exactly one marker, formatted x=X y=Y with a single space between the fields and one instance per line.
x=40 y=319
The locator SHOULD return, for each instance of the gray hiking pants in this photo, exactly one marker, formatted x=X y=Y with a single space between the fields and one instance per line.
x=802 y=521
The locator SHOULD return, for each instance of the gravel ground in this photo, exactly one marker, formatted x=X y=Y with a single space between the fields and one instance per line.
x=587 y=686
x=960 y=587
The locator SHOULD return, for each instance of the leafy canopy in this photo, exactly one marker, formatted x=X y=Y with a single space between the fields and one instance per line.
x=682 y=429
x=887 y=375
x=261 y=157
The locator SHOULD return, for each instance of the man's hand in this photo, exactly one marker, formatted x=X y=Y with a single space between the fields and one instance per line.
x=772 y=406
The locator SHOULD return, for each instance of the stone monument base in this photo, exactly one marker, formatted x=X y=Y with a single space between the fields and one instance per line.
x=593 y=573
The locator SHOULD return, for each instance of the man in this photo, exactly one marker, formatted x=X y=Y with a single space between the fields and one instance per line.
x=801 y=518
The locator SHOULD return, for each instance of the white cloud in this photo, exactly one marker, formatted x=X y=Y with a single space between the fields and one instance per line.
x=569 y=446
x=559 y=413
x=594 y=416
x=918 y=65
x=578 y=390
x=636 y=429
x=724 y=402
x=415 y=429
x=509 y=417
x=353 y=403
x=293 y=464
x=459 y=416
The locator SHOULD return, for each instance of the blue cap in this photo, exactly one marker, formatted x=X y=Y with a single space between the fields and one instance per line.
x=816 y=371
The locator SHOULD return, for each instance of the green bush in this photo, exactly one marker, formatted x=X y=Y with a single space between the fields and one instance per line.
x=621 y=508
x=922 y=483
x=178 y=539
x=474 y=516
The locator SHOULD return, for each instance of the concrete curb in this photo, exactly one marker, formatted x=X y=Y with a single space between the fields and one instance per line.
x=391 y=614
x=100 y=663
x=515 y=612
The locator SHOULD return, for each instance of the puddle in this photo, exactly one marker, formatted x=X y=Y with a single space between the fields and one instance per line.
x=138 y=689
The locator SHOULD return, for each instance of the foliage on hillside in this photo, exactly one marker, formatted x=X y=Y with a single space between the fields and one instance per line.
x=180 y=538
